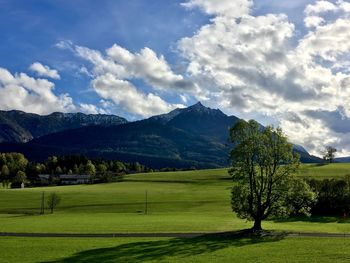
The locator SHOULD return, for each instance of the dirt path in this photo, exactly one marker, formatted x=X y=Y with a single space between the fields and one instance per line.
x=169 y=235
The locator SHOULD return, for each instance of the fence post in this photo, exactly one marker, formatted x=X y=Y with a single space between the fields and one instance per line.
x=42 y=208
x=146 y=202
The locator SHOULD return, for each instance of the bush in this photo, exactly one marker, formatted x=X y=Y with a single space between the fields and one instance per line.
x=333 y=197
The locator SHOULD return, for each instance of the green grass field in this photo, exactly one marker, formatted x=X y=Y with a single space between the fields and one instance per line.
x=81 y=250
x=193 y=201
x=324 y=171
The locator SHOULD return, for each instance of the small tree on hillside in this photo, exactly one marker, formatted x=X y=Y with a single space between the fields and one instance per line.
x=329 y=155
x=90 y=170
x=102 y=168
x=75 y=169
x=53 y=201
x=58 y=170
x=4 y=175
x=262 y=162
x=19 y=179
x=119 y=167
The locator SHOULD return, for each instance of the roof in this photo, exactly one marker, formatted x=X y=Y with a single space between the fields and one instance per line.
x=44 y=176
x=74 y=176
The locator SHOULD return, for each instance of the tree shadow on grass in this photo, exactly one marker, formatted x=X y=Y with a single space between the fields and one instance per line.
x=321 y=164
x=19 y=213
x=164 y=249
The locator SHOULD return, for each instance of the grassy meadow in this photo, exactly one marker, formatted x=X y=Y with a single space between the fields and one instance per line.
x=324 y=171
x=83 y=250
x=191 y=201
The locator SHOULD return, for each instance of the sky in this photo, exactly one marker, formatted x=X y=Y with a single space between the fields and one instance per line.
x=284 y=63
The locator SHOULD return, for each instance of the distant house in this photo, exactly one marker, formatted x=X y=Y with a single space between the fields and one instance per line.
x=44 y=179
x=74 y=178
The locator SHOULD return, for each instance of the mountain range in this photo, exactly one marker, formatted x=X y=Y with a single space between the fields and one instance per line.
x=196 y=136
x=18 y=126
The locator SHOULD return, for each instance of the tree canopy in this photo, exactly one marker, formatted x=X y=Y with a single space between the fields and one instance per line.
x=329 y=154
x=262 y=164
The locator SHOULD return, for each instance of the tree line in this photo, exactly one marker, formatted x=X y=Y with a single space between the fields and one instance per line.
x=16 y=170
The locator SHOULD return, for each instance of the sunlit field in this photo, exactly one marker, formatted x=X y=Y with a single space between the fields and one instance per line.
x=191 y=201
x=202 y=249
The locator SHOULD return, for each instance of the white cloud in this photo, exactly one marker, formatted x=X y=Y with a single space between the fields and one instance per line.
x=148 y=66
x=127 y=97
x=228 y=8
x=329 y=41
x=120 y=62
x=28 y=94
x=229 y=55
x=320 y=7
x=64 y=44
x=22 y=92
x=251 y=65
x=44 y=71
x=343 y=5
x=112 y=72
x=313 y=21
x=91 y=109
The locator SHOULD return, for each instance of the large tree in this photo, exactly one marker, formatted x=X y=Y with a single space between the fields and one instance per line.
x=262 y=164
x=329 y=154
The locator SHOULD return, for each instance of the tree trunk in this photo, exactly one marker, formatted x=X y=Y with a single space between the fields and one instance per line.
x=257 y=225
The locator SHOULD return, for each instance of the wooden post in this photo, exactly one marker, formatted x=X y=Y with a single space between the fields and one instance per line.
x=42 y=209
x=146 y=203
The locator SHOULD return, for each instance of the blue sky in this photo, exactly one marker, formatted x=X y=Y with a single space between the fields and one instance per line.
x=30 y=29
x=280 y=62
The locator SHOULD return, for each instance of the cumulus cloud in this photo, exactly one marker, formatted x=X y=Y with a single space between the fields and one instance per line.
x=148 y=66
x=44 y=71
x=249 y=64
x=227 y=8
x=313 y=21
x=329 y=41
x=246 y=64
x=320 y=7
x=113 y=70
x=91 y=109
x=22 y=92
x=129 y=98
x=233 y=59
x=36 y=95
x=344 y=6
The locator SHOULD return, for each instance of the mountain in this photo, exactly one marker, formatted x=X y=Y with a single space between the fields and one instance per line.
x=200 y=120
x=154 y=144
x=194 y=136
x=343 y=159
x=305 y=157
x=183 y=138
x=299 y=149
x=18 y=126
